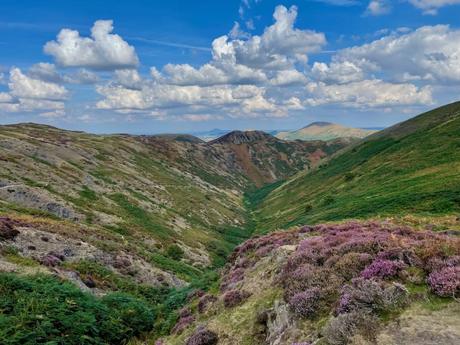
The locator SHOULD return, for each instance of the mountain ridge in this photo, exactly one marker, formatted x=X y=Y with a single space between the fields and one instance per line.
x=324 y=131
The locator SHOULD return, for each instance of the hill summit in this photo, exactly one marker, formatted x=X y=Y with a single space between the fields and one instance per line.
x=324 y=131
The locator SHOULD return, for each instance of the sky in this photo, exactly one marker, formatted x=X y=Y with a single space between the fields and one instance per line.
x=148 y=67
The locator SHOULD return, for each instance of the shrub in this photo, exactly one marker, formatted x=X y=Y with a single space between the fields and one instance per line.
x=445 y=282
x=202 y=337
x=44 y=310
x=382 y=269
x=127 y=317
x=182 y=324
x=234 y=297
x=342 y=328
x=351 y=264
x=204 y=302
x=175 y=252
x=371 y=295
x=306 y=303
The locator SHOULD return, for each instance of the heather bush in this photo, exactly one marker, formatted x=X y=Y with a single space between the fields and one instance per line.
x=371 y=296
x=234 y=297
x=382 y=269
x=182 y=324
x=204 y=302
x=306 y=303
x=202 y=337
x=446 y=281
x=342 y=328
x=351 y=264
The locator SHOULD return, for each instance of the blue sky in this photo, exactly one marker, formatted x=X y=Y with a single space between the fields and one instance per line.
x=150 y=66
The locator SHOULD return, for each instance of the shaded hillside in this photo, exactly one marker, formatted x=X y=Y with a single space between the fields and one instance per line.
x=266 y=159
x=413 y=167
x=324 y=131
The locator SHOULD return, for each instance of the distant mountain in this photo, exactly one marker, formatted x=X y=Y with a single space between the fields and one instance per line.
x=265 y=158
x=212 y=134
x=324 y=131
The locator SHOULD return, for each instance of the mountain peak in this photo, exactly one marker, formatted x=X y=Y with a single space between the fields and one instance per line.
x=240 y=137
x=319 y=124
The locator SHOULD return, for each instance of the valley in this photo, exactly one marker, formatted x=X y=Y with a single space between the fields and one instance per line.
x=192 y=233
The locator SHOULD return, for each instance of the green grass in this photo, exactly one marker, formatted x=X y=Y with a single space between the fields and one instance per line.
x=139 y=217
x=413 y=168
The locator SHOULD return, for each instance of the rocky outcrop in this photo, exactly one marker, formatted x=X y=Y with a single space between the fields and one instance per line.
x=37 y=198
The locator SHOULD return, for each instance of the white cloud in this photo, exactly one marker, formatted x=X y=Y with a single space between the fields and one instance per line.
x=27 y=94
x=104 y=50
x=201 y=117
x=337 y=72
x=235 y=82
x=278 y=47
x=432 y=6
x=378 y=7
x=22 y=86
x=428 y=53
x=289 y=77
x=368 y=93
x=5 y=97
x=49 y=73
x=83 y=76
x=129 y=78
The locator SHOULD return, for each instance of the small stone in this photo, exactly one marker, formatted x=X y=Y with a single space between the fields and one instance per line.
x=44 y=239
x=31 y=247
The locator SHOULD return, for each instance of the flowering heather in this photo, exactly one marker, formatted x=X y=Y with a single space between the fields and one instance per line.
x=371 y=295
x=234 y=297
x=356 y=270
x=182 y=324
x=353 y=266
x=204 y=301
x=202 y=337
x=446 y=281
x=382 y=269
x=306 y=303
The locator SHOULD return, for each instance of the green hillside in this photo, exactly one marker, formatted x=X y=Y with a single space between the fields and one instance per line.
x=410 y=168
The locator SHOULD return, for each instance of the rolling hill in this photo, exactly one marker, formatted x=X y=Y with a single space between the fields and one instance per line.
x=324 y=131
x=410 y=168
x=171 y=205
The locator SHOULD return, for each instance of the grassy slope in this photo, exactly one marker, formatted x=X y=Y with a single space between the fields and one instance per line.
x=126 y=187
x=413 y=167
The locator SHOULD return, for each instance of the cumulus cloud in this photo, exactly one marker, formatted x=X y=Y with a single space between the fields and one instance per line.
x=428 y=53
x=5 y=97
x=236 y=79
x=27 y=94
x=432 y=6
x=378 y=7
x=201 y=117
x=102 y=51
x=49 y=73
x=368 y=93
x=22 y=86
x=337 y=72
x=268 y=74
x=129 y=78
x=278 y=47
